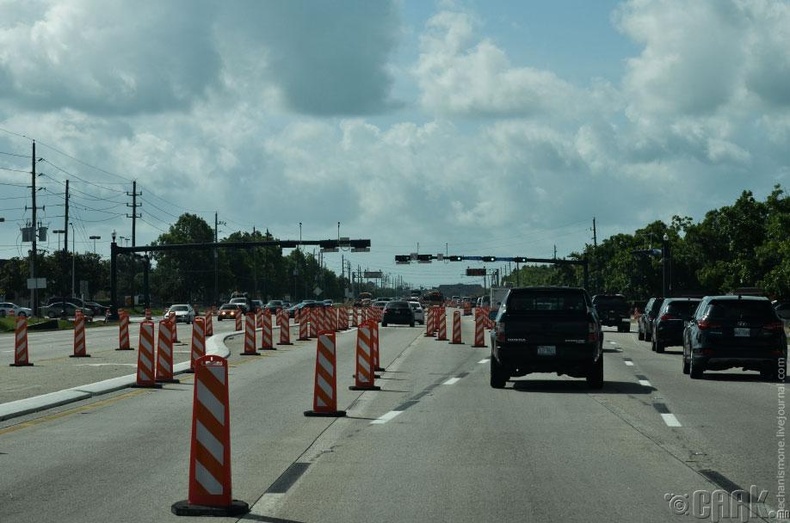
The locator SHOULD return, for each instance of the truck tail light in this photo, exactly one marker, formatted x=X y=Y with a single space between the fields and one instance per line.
x=500 y=332
x=707 y=324
x=592 y=331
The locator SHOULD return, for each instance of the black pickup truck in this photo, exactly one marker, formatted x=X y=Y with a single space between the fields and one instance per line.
x=547 y=329
x=613 y=311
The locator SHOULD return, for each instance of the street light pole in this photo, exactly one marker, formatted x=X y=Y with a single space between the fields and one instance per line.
x=113 y=279
x=94 y=238
x=73 y=258
x=666 y=266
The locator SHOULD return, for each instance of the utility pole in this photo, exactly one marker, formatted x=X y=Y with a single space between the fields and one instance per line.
x=595 y=234
x=66 y=220
x=35 y=231
x=134 y=205
x=217 y=223
x=66 y=242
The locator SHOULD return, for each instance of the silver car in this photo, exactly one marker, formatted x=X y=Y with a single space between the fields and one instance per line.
x=183 y=311
x=8 y=308
x=419 y=313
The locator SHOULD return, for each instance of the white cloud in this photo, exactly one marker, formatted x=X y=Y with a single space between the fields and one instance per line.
x=276 y=113
x=463 y=75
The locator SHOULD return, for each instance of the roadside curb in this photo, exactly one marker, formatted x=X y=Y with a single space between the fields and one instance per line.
x=214 y=345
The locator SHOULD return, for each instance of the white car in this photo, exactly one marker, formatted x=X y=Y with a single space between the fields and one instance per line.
x=6 y=308
x=419 y=313
x=183 y=311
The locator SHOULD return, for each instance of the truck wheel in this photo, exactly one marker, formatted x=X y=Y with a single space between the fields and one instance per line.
x=499 y=375
x=695 y=369
x=595 y=375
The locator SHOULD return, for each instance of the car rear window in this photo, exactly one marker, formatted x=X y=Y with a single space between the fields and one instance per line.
x=398 y=305
x=684 y=309
x=608 y=301
x=545 y=301
x=739 y=310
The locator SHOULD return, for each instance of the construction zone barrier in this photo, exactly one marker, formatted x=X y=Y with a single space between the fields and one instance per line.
x=266 y=331
x=238 y=320
x=375 y=337
x=364 y=377
x=198 y=346
x=249 y=335
x=147 y=313
x=79 y=336
x=314 y=319
x=123 y=331
x=164 y=353
x=146 y=374
x=325 y=387
x=480 y=336
x=441 y=324
x=209 y=324
x=430 y=322
x=210 y=492
x=304 y=324
x=20 y=344
x=174 y=325
x=285 y=327
x=456 y=339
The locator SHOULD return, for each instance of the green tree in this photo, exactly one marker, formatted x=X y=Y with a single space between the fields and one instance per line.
x=183 y=275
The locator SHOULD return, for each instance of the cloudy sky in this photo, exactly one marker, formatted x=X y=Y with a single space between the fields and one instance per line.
x=477 y=127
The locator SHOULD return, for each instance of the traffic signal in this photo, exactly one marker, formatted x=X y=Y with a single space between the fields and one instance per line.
x=519 y=259
x=489 y=258
x=402 y=258
x=424 y=258
x=455 y=258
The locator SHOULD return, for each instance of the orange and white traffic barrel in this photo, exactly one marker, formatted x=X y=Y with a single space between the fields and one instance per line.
x=20 y=344
x=480 y=337
x=456 y=339
x=210 y=492
x=249 y=335
x=285 y=327
x=146 y=373
x=209 y=323
x=198 y=347
x=364 y=377
x=164 y=353
x=304 y=324
x=79 y=336
x=325 y=386
x=441 y=324
x=267 y=342
x=430 y=322
x=123 y=331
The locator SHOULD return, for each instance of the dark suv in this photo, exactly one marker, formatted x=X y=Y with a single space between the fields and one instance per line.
x=671 y=320
x=645 y=323
x=613 y=311
x=734 y=331
x=398 y=312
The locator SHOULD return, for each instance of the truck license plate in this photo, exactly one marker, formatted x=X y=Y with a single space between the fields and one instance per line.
x=547 y=350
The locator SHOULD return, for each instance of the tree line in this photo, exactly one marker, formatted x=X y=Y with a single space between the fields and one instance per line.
x=201 y=277
x=746 y=244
